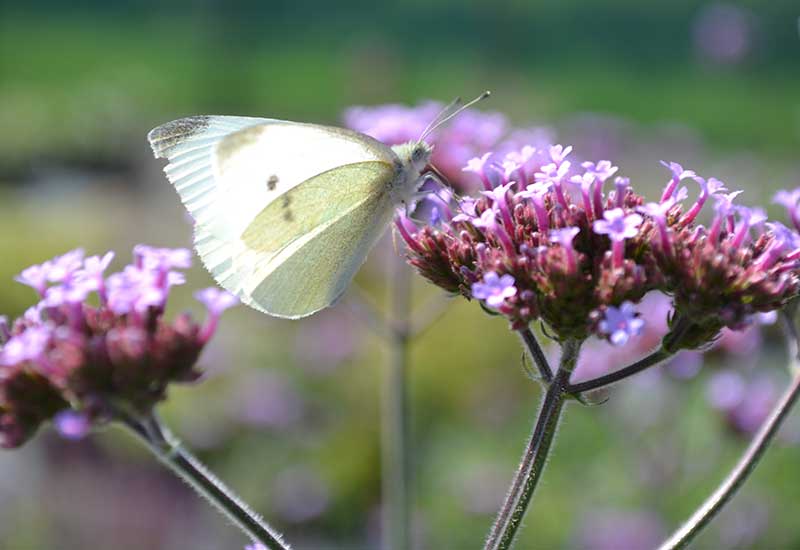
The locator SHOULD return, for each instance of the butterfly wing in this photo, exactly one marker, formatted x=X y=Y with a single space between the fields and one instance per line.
x=285 y=212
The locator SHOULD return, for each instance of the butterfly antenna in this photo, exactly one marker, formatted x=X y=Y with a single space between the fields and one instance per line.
x=438 y=117
x=439 y=120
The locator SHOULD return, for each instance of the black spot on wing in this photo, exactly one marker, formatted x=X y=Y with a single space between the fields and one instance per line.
x=272 y=182
x=286 y=202
x=170 y=134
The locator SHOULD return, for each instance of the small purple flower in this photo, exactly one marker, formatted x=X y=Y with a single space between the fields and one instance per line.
x=784 y=241
x=585 y=182
x=72 y=424
x=137 y=290
x=520 y=159
x=558 y=153
x=93 y=271
x=408 y=229
x=488 y=222
x=658 y=211
x=709 y=187
x=27 y=346
x=749 y=217
x=564 y=237
x=619 y=324
x=678 y=175
x=621 y=184
x=536 y=192
x=162 y=259
x=789 y=200
x=477 y=166
x=499 y=196
x=466 y=207
x=61 y=268
x=70 y=292
x=35 y=277
x=216 y=301
x=618 y=226
x=601 y=171
x=554 y=174
x=494 y=289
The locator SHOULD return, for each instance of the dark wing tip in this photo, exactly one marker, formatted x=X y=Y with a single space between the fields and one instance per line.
x=170 y=134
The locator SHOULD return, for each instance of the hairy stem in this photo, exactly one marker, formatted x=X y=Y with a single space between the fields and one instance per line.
x=173 y=454
x=747 y=463
x=537 y=354
x=614 y=377
x=533 y=461
x=669 y=347
x=395 y=462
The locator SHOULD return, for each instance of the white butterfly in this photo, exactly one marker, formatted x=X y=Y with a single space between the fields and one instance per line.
x=285 y=212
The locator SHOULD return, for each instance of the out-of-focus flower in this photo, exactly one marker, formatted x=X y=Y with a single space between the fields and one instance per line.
x=300 y=494
x=745 y=401
x=72 y=424
x=79 y=364
x=458 y=142
x=615 y=530
x=723 y=33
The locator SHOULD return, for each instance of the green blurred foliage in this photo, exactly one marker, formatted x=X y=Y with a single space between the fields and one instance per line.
x=80 y=86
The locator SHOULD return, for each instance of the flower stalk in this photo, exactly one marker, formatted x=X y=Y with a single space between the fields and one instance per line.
x=395 y=462
x=169 y=450
x=539 y=358
x=533 y=461
x=751 y=457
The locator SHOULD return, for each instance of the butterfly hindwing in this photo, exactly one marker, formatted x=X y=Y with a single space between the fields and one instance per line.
x=309 y=270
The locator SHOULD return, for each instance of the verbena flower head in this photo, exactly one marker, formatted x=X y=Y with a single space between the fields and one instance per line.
x=581 y=260
x=96 y=345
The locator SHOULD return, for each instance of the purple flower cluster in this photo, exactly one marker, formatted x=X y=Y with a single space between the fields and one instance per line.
x=455 y=143
x=77 y=360
x=544 y=240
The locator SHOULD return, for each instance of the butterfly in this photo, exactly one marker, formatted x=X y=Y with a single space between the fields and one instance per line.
x=286 y=212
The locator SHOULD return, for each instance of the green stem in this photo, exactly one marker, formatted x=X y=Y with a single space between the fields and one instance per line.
x=533 y=461
x=539 y=358
x=613 y=377
x=173 y=454
x=669 y=347
x=749 y=460
x=395 y=462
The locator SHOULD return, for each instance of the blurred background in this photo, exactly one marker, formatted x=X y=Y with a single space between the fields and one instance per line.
x=289 y=411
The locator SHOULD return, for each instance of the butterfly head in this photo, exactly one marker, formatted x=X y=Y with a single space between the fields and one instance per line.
x=414 y=156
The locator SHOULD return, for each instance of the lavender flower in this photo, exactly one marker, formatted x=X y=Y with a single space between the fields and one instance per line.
x=72 y=424
x=789 y=200
x=216 y=301
x=678 y=175
x=564 y=237
x=618 y=226
x=619 y=324
x=494 y=290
